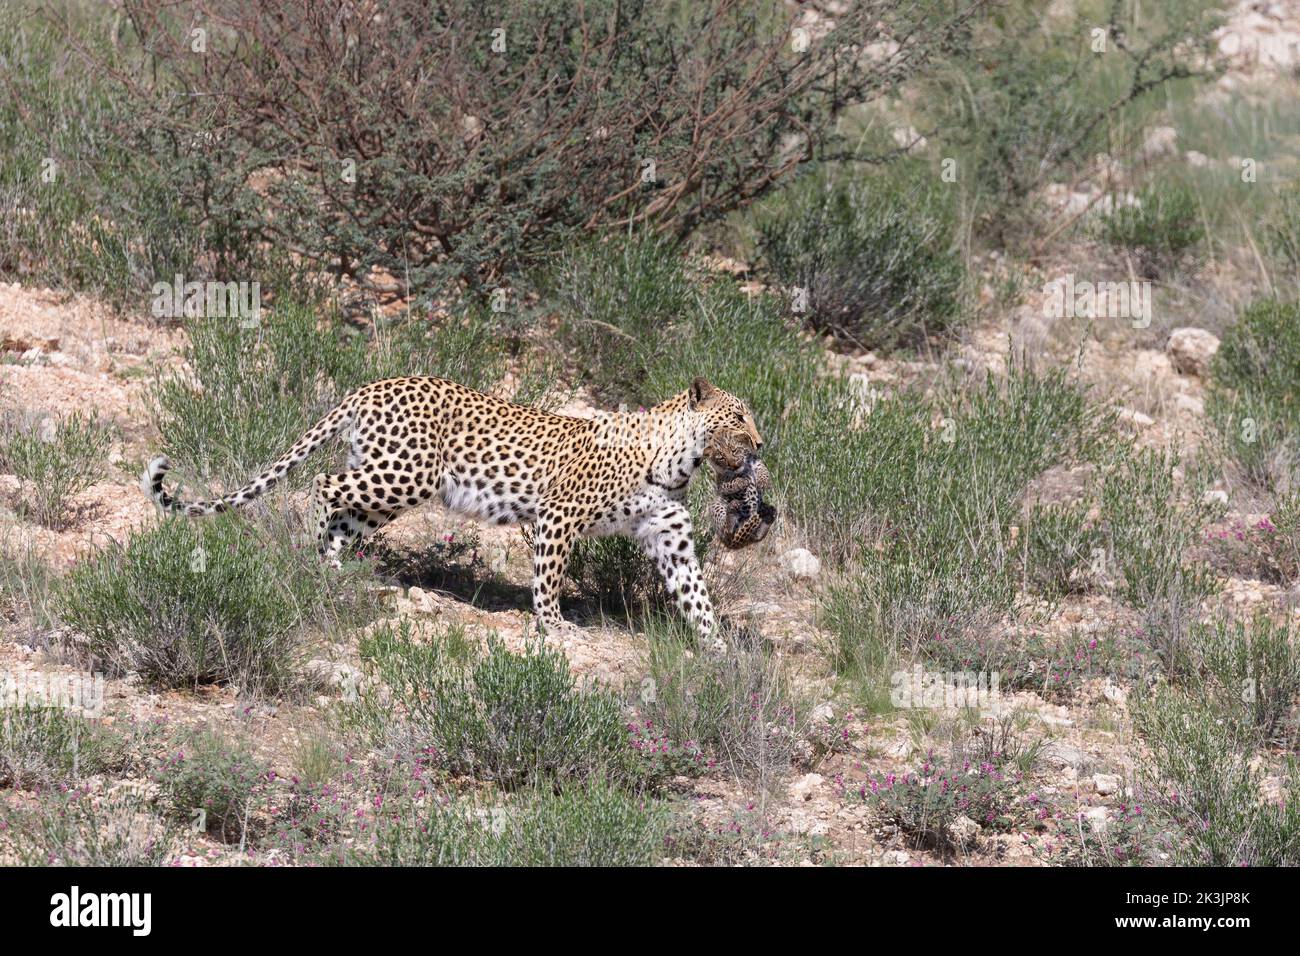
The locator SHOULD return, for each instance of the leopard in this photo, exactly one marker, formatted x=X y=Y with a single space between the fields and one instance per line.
x=416 y=439
x=739 y=514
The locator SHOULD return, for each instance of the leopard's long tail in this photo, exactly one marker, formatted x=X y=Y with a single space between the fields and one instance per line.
x=151 y=482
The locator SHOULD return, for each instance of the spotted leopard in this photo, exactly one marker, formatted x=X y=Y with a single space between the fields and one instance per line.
x=415 y=439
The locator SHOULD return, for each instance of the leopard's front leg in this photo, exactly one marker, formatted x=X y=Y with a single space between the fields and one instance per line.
x=666 y=538
x=553 y=538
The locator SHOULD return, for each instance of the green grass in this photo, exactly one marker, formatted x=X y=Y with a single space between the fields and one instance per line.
x=590 y=825
x=47 y=746
x=874 y=255
x=78 y=207
x=212 y=601
x=26 y=585
x=1162 y=225
x=1249 y=671
x=937 y=557
x=1204 y=783
x=80 y=828
x=742 y=712
x=1254 y=395
x=56 y=459
x=514 y=719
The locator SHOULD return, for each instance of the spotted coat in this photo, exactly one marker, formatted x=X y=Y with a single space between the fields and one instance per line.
x=415 y=439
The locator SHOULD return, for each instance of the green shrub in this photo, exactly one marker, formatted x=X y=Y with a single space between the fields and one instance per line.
x=1164 y=223
x=874 y=256
x=937 y=557
x=926 y=805
x=1210 y=790
x=26 y=586
x=1282 y=233
x=620 y=300
x=739 y=711
x=674 y=114
x=1254 y=395
x=1058 y=547
x=79 y=208
x=1150 y=520
x=510 y=718
x=211 y=784
x=46 y=746
x=1250 y=671
x=80 y=828
x=196 y=602
x=591 y=825
x=1025 y=99
x=56 y=460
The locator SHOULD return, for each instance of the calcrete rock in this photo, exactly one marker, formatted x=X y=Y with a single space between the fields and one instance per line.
x=1190 y=350
x=801 y=563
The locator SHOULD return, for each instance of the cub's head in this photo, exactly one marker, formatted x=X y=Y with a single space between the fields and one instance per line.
x=733 y=436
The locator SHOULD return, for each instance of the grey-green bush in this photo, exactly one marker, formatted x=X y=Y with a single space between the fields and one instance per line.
x=56 y=459
x=874 y=256
x=511 y=718
x=213 y=601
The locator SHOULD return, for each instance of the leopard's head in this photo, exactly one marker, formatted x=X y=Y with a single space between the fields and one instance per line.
x=733 y=435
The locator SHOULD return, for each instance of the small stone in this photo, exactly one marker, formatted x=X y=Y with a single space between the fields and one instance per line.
x=333 y=674
x=1159 y=141
x=1134 y=417
x=963 y=831
x=806 y=786
x=800 y=563
x=1107 y=783
x=1190 y=350
x=421 y=599
x=1063 y=755
x=823 y=713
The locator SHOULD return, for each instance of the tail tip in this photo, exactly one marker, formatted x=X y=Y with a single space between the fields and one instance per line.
x=151 y=479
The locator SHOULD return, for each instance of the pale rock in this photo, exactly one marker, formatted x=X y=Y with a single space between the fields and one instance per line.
x=963 y=831
x=421 y=599
x=1191 y=349
x=804 y=788
x=333 y=674
x=1107 y=783
x=1114 y=692
x=1160 y=141
x=1063 y=755
x=823 y=713
x=1133 y=417
x=802 y=564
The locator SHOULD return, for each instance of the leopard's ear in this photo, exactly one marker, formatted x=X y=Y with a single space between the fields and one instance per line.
x=701 y=390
